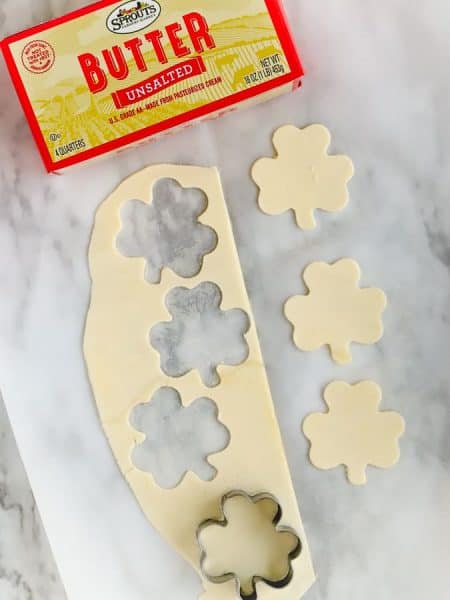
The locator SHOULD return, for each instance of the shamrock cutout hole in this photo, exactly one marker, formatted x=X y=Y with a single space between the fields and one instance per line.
x=303 y=176
x=167 y=232
x=354 y=432
x=336 y=311
x=248 y=545
x=178 y=438
x=200 y=335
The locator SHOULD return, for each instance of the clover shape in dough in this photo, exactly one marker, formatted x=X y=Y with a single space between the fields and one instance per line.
x=167 y=232
x=336 y=311
x=354 y=432
x=178 y=438
x=200 y=335
x=247 y=544
x=303 y=176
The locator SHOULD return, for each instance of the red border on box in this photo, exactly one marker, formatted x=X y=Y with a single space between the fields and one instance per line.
x=279 y=18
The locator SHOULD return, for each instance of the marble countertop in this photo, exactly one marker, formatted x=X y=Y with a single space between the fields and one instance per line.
x=27 y=567
x=377 y=76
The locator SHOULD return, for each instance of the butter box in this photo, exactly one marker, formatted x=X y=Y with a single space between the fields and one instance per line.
x=115 y=73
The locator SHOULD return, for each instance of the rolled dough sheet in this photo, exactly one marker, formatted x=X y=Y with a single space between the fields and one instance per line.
x=124 y=371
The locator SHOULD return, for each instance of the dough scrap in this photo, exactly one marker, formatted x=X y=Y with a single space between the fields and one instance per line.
x=124 y=372
x=248 y=545
x=303 y=176
x=354 y=432
x=336 y=311
x=178 y=438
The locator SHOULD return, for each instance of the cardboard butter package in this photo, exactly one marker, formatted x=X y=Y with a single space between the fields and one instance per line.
x=116 y=73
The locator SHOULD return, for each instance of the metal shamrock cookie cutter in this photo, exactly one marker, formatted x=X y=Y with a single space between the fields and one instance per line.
x=262 y=519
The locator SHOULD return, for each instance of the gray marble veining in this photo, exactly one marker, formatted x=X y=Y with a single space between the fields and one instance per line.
x=377 y=77
x=200 y=335
x=178 y=438
x=167 y=232
x=27 y=569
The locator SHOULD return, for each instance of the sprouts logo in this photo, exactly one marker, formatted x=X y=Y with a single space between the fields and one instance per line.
x=133 y=16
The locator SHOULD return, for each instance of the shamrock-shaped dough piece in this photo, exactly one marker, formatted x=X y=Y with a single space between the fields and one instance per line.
x=200 y=336
x=167 y=232
x=303 y=177
x=178 y=438
x=354 y=432
x=248 y=545
x=336 y=311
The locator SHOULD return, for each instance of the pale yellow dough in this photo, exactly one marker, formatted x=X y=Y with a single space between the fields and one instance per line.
x=263 y=548
x=124 y=371
x=303 y=176
x=336 y=311
x=354 y=432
